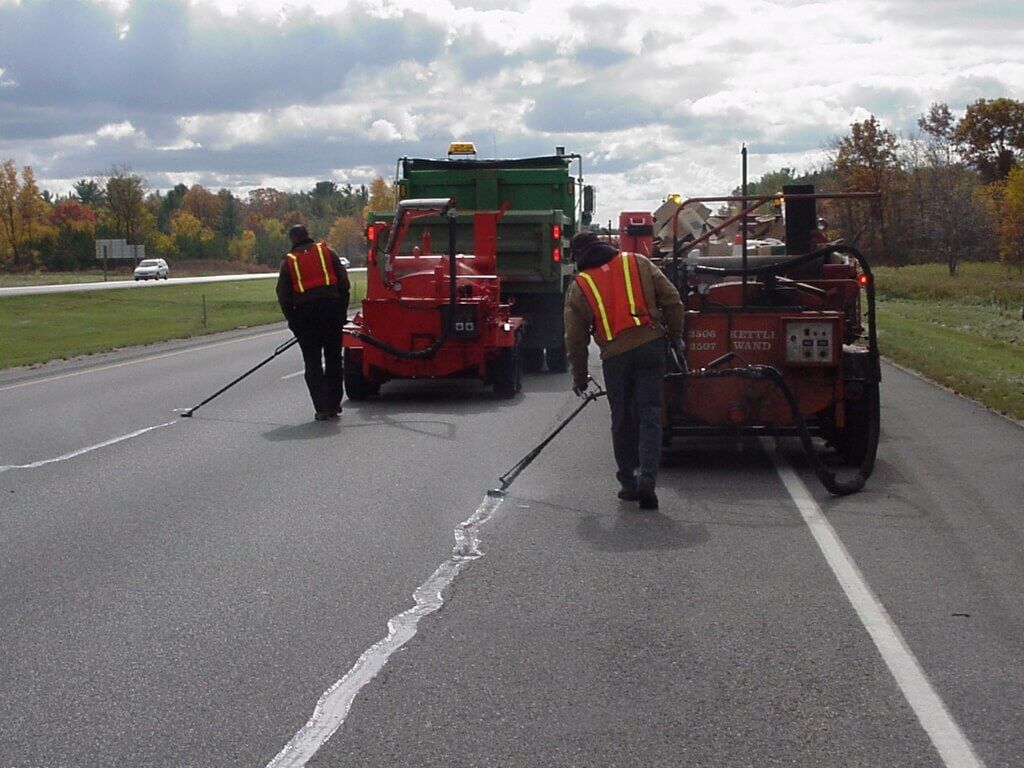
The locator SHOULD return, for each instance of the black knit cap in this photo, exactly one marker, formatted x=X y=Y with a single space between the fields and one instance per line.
x=581 y=242
x=588 y=250
x=298 y=233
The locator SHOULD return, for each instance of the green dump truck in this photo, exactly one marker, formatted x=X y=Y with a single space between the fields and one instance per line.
x=546 y=205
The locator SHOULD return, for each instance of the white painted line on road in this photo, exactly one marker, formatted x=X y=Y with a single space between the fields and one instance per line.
x=89 y=449
x=136 y=361
x=334 y=705
x=292 y=375
x=950 y=742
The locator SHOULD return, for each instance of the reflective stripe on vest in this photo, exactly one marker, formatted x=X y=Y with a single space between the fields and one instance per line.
x=615 y=295
x=304 y=273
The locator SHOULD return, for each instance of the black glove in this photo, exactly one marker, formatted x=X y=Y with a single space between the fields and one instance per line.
x=579 y=386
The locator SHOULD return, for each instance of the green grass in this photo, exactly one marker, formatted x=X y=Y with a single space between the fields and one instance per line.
x=975 y=283
x=34 y=329
x=965 y=332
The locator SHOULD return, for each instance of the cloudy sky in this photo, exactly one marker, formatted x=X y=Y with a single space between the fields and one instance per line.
x=657 y=96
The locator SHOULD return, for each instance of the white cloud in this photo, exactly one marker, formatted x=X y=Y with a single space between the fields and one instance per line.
x=117 y=131
x=382 y=130
x=657 y=98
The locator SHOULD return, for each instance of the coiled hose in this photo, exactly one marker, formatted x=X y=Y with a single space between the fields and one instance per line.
x=827 y=477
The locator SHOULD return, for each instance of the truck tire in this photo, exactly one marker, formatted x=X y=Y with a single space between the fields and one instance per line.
x=557 y=361
x=853 y=441
x=859 y=436
x=357 y=386
x=532 y=360
x=507 y=372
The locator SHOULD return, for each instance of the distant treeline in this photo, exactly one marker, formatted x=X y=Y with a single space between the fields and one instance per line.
x=954 y=191
x=40 y=230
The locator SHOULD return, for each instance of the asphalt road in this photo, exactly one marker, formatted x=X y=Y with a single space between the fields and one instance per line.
x=185 y=596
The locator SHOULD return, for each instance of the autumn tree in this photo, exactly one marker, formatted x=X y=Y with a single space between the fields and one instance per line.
x=865 y=161
x=202 y=204
x=125 y=194
x=347 y=238
x=10 y=215
x=31 y=206
x=383 y=196
x=950 y=215
x=1007 y=202
x=267 y=202
x=243 y=248
x=76 y=230
x=991 y=136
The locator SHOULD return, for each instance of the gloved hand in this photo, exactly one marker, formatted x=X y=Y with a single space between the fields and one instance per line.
x=680 y=347
x=579 y=386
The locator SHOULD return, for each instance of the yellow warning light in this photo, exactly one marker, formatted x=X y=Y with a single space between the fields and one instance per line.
x=461 y=148
x=675 y=198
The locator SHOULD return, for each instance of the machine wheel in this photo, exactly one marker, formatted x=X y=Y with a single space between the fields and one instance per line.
x=357 y=386
x=557 y=361
x=860 y=434
x=532 y=360
x=507 y=372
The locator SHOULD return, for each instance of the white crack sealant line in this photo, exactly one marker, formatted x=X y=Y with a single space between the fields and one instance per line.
x=88 y=449
x=292 y=375
x=952 y=745
x=333 y=706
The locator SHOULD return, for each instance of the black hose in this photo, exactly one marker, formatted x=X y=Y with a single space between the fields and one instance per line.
x=826 y=250
x=447 y=322
x=827 y=477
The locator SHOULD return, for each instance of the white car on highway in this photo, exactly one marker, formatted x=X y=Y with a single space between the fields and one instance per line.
x=151 y=268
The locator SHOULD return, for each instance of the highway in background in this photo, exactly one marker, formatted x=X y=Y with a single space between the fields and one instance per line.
x=185 y=595
x=35 y=290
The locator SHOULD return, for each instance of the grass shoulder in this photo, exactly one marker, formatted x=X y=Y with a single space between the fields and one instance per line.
x=966 y=331
x=37 y=329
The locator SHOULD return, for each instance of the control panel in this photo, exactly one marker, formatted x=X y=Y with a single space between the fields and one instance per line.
x=810 y=342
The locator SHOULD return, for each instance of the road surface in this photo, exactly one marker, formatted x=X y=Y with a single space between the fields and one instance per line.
x=185 y=595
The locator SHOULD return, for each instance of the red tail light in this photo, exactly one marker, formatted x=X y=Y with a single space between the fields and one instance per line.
x=556 y=255
x=863 y=280
x=556 y=231
x=371 y=233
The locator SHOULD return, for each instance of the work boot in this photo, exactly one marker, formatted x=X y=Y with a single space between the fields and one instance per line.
x=628 y=494
x=322 y=416
x=648 y=499
x=645 y=492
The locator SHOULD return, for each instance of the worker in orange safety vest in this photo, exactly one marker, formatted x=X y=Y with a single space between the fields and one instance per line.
x=632 y=310
x=313 y=292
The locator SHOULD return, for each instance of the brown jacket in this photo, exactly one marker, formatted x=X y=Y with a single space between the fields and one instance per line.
x=663 y=301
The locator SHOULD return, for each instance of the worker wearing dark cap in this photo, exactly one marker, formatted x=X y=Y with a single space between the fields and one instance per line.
x=313 y=291
x=632 y=311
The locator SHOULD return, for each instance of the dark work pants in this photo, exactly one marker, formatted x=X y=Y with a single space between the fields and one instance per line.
x=317 y=326
x=634 y=381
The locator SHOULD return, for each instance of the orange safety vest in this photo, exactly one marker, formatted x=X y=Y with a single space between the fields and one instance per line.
x=615 y=295
x=311 y=268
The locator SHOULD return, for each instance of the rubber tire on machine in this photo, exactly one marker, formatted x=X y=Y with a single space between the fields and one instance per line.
x=532 y=359
x=507 y=372
x=557 y=361
x=357 y=386
x=852 y=441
